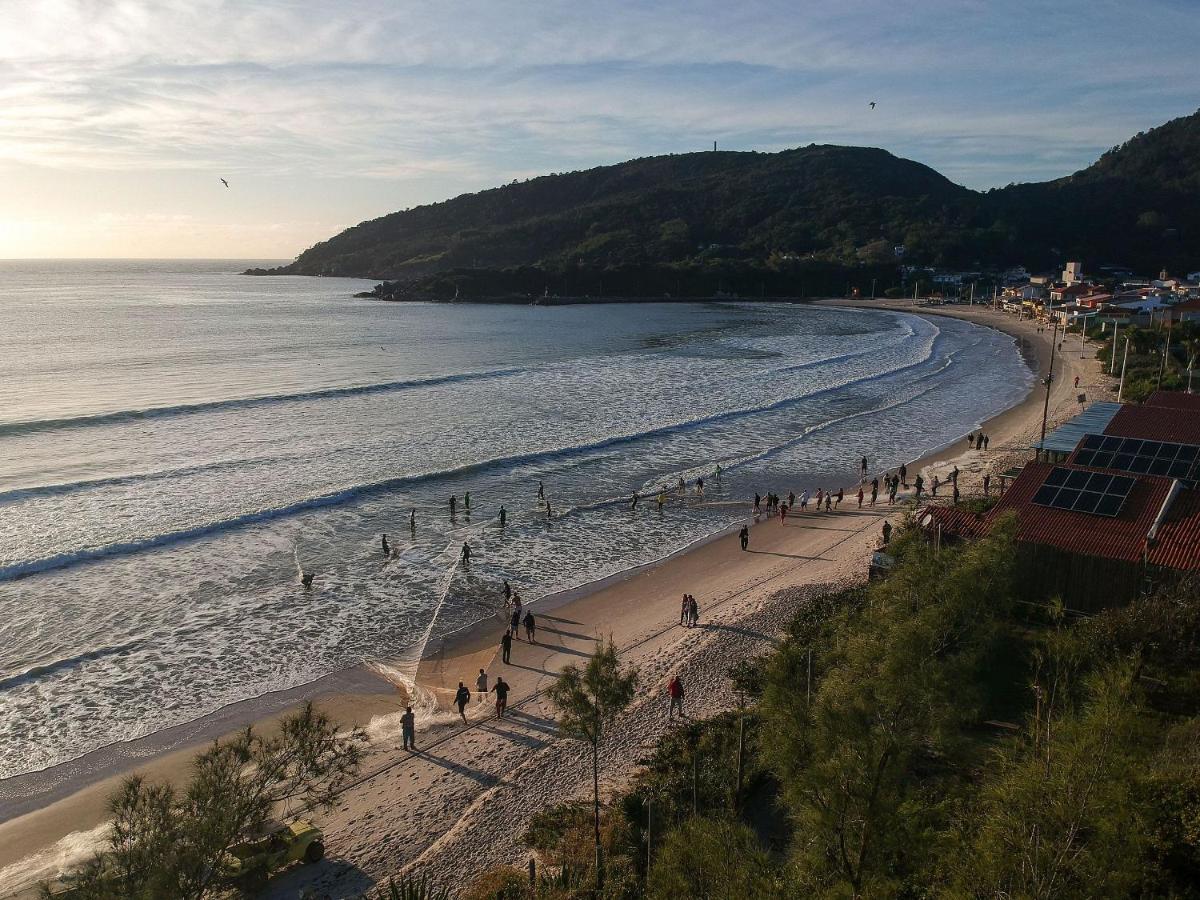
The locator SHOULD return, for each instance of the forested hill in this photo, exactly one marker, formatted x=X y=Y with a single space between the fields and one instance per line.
x=817 y=205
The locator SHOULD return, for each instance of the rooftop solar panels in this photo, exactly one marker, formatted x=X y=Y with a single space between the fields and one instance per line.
x=1098 y=493
x=1142 y=457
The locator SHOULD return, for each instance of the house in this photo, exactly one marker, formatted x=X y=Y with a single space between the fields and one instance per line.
x=1117 y=514
x=1073 y=273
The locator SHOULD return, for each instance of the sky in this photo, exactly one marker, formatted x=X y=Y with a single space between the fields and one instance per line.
x=119 y=117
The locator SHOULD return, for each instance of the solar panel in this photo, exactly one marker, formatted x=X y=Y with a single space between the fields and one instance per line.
x=1076 y=490
x=1142 y=457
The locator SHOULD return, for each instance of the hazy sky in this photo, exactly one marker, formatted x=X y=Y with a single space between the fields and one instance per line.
x=117 y=117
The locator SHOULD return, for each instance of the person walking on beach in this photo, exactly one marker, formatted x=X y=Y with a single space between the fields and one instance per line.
x=791 y=498
x=987 y=484
x=1077 y=382
x=503 y=515
x=863 y=470
x=505 y=647
x=757 y=501
x=920 y=485
x=514 y=623
x=783 y=509
x=501 y=690
x=693 y=612
x=837 y=501
x=507 y=592
x=820 y=498
x=683 y=610
x=387 y=550
x=744 y=536
x=956 y=495
x=954 y=475
x=971 y=440
x=904 y=475
x=466 y=553
x=461 y=698
x=530 y=627
x=804 y=501
x=408 y=729
x=860 y=496
x=481 y=684
x=936 y=485
x=986 y=440
x=874 y=490
x=887 y=532
x=675 y=692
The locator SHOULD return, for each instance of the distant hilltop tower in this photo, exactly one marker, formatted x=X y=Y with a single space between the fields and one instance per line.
x=714 y=146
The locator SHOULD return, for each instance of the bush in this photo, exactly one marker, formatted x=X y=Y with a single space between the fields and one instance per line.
x=712 y=858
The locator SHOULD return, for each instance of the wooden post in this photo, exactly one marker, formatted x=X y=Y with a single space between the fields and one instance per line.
x=1124 y=360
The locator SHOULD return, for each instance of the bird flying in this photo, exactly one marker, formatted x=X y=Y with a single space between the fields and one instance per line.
x=872 y=107
x=226 y=183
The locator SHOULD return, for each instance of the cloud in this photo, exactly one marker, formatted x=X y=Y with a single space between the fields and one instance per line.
x=460 y=95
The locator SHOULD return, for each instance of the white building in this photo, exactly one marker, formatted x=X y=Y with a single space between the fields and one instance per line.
x=1073 y=273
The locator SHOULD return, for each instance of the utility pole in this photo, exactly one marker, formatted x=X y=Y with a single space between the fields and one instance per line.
x=1162 y=366
x=1124 y=360
x=1112 y=356
x=1049 y=378
x=872 y=288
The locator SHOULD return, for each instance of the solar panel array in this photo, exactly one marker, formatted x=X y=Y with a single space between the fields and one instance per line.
x=1098 y=493
x=1141 y=457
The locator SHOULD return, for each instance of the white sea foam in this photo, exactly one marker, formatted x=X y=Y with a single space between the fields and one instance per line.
x=179 y=538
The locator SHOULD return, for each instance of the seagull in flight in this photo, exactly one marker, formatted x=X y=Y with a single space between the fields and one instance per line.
x=872 y=107
x=226 y=183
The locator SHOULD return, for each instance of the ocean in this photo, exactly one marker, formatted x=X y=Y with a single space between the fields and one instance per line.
x=179 y=440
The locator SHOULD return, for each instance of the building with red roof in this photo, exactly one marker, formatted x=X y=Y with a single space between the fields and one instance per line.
x=1119 y=515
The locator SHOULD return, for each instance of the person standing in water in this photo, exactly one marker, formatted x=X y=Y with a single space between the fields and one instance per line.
x=453 y=503
x=633 y=503
x=503 y=516
x=744 y=536
x=466 y=554
x=467 y=501
x=387 y=550
x=461 y=698
x=863 y=468
x=541 y=491
x=412 y=519
x=507 y=592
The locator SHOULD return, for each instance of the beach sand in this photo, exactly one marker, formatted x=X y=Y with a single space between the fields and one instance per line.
x=462 y=803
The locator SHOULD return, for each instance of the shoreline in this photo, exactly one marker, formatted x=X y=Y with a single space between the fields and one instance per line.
x=75 y=803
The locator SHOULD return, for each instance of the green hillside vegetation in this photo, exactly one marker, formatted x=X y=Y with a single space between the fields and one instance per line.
x=958 y=743
x=764 y=220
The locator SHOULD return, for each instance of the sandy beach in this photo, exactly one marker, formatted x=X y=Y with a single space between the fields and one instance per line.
x=461 y=803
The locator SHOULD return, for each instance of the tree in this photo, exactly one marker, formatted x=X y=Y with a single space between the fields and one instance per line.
x=715 y=858
x=167 y=842
x=587 y=699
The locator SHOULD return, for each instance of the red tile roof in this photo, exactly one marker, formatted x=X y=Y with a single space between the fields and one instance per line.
x=954 y=520
x=1178 y=541
x=1174 y=400
x=1168 y=418
x=1120 y=537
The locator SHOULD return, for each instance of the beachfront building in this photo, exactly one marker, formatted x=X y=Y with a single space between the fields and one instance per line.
x=1115 y=516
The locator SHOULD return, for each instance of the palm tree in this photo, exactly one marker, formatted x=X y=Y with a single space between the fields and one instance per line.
x=587 y=700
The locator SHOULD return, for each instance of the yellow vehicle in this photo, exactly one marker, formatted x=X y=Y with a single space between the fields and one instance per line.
x=278 y=846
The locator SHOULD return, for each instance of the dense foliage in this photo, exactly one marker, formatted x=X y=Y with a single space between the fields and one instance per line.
x=695 y=220
x=928 y=736
x=169 y=841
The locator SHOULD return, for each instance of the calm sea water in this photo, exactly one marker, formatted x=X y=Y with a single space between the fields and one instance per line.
x=176 y=439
